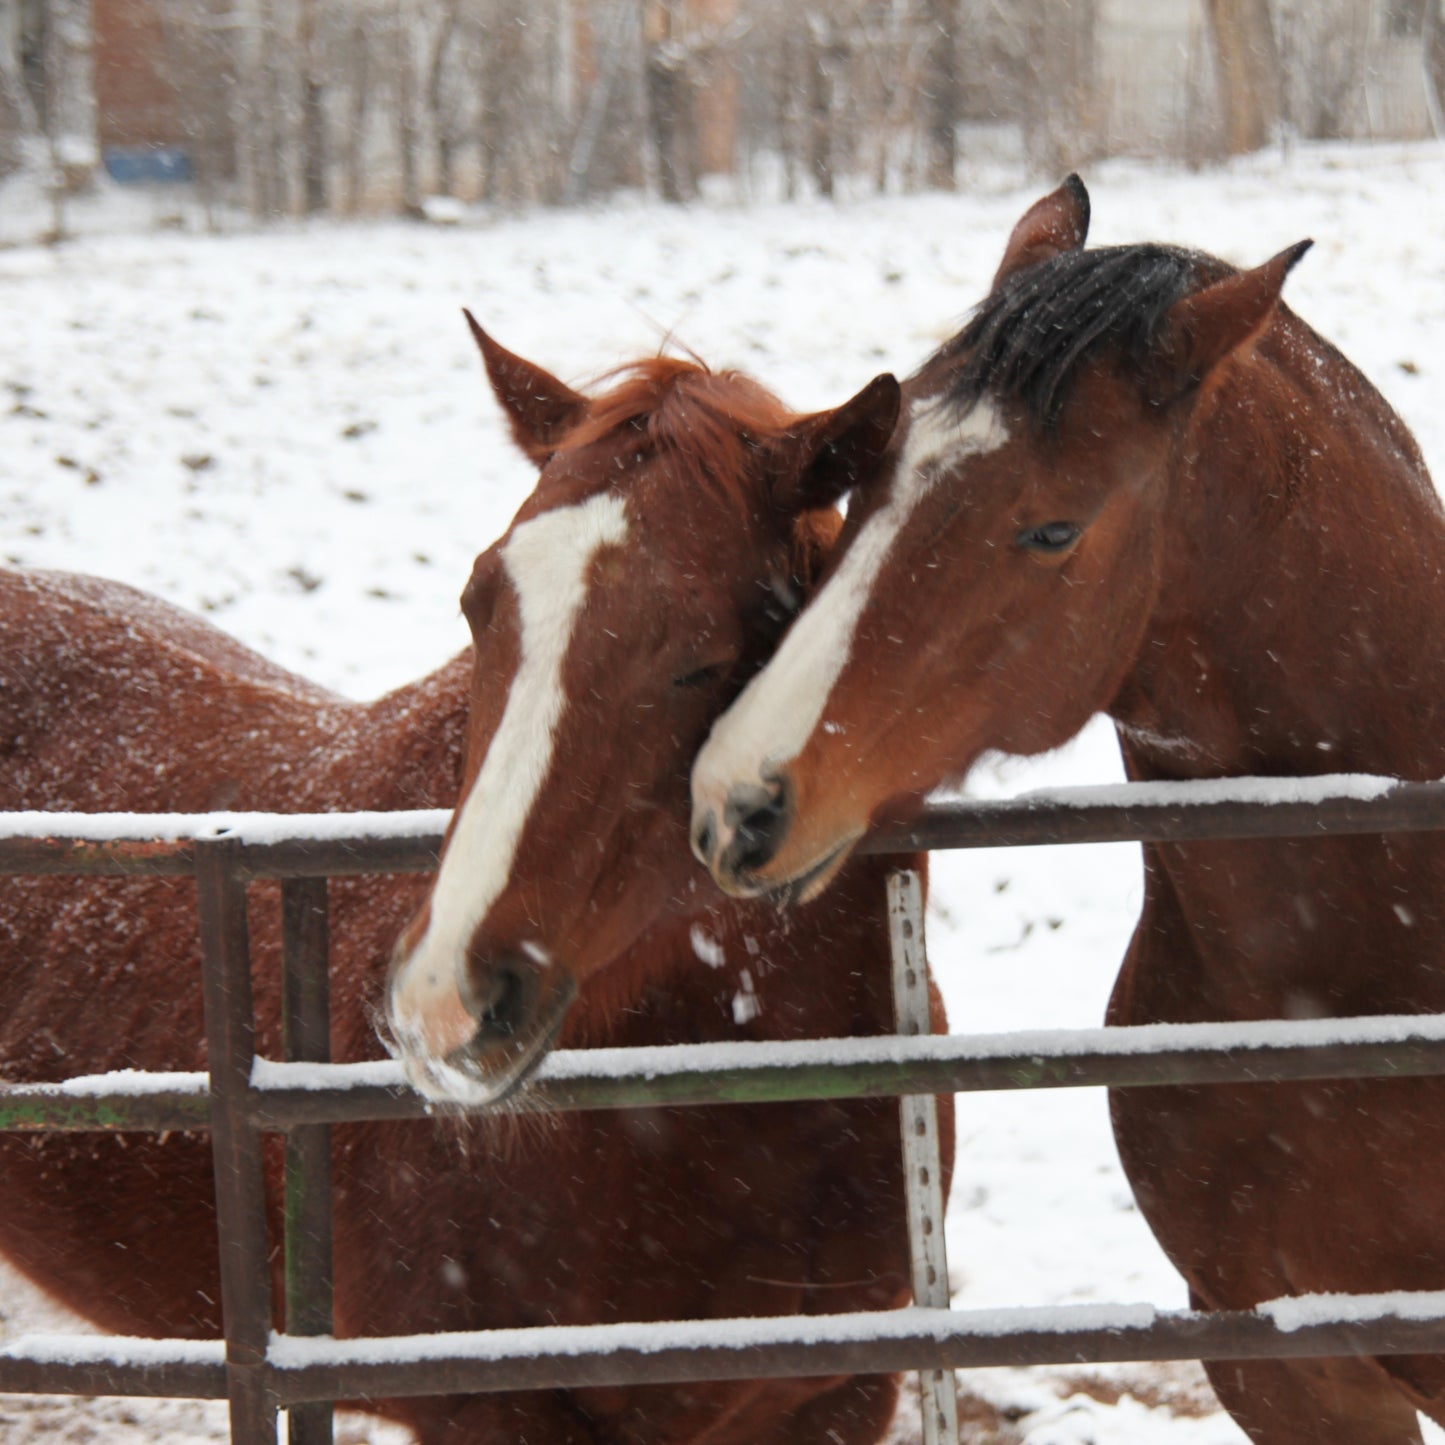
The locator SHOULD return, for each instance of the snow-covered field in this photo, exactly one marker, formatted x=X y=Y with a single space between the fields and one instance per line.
x=289 y=431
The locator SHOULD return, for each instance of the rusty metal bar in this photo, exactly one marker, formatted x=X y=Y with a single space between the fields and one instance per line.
x=274 y=845
x=922 y=1163
x=1234 y=808
x=64 y=854
x=951 y=1064
x=239 y=1112
x=691 y=1350
x=347 y=858
x=236 y=1141
x=574 y=1357
x=306 y=1029
x=780 y=1347
x=289 y=858
x=1275 y=1051
x=102 y=1365
x=1163 y=813
x=45 y=1108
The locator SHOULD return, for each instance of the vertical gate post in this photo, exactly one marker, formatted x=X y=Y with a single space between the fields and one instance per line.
x=235 y=1141
x=922 y=1166
x=306 y=1027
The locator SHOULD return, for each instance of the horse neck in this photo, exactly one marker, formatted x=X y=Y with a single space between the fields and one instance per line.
x=413 y=742
x=1301 y=573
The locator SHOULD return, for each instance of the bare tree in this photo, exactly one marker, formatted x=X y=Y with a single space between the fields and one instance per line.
x=20 y=126
x=1323 y=53
x=1434 y=36
x=314 y=153
x=826 y=62
x=941 y=90
x=441 y=113
x=608 y=147
x=1250 y=79
x=671 y=117
x=47 y=96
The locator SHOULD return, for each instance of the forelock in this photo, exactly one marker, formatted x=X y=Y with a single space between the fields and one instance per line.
x=1029 y=340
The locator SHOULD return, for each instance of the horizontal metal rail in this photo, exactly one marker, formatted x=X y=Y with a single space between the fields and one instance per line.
x=276 y=845
x=284 y=1097
x=1399 y=1046
x=269 y=845
x=46 y=1364
x=1233 y=809
x=573 y=1357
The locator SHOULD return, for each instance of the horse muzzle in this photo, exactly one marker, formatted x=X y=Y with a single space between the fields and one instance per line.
x=471 y=1035
x=748 y=840
x=736 y=837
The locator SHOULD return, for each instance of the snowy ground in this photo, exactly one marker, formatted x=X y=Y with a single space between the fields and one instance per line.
x=289 y=431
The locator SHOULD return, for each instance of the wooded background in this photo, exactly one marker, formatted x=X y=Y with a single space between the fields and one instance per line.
x=296 y=106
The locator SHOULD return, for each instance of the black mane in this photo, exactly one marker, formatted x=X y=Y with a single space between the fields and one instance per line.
x=1028 y=340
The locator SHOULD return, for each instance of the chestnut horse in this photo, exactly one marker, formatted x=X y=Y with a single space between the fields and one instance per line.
x=110 y=700
x=1136 y=482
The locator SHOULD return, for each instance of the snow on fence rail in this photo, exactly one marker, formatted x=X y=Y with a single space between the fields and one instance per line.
x=287 y=1096
x=244 y=1096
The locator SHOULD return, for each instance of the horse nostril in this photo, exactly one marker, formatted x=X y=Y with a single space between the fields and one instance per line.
x=704 y=837
x=758 y=816
x=500 y=1000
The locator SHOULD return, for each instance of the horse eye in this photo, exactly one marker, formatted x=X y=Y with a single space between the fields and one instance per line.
x=1051 y=537
x=702 y=675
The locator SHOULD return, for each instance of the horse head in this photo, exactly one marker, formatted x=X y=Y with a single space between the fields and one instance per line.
x=993 y=585
x=675 y=527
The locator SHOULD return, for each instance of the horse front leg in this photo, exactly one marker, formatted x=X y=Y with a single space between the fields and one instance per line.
x=1314 y=1402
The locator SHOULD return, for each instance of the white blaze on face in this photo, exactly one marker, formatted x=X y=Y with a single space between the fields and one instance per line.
x=547 y=561
x=777 y=712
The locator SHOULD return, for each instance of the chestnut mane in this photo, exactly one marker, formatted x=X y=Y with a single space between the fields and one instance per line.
x=707 y=420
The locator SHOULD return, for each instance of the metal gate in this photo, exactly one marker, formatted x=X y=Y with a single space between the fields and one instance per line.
x=244 y=1097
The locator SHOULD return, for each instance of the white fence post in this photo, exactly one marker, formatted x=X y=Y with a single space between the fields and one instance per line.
x=922 y=1170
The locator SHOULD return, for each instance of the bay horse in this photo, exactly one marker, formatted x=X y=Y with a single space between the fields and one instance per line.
x=110 y=700
x=1136 y=482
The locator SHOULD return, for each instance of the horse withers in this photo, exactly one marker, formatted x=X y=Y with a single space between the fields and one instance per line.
x=1136 y=482
x=113 y=701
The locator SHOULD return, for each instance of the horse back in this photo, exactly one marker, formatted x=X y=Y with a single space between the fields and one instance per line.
x=113 y=701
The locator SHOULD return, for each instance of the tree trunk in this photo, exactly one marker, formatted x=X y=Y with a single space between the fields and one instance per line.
x=670 y=117
x=824 y=54
x=443 y=130
x=405 y=118
x=260 y=116
x=1435 y=63
x=941 y=99
x=354 y=141
x=313 y=115
x=1250 y=80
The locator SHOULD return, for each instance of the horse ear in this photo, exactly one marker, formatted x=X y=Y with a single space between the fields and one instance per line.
x=826 y=454
x=1201 y=330
x=540 y=409
x=1057 y=223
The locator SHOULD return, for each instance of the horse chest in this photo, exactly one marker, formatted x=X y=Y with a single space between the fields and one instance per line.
x=1270 y=1189
x=1287 y=929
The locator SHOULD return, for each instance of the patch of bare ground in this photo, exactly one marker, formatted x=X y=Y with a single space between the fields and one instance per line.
x=980 y=1421
x=1179 y=1386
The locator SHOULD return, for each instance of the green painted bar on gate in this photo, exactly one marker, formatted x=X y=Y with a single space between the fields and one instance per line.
x=684 y=1075
x=36 y=1108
